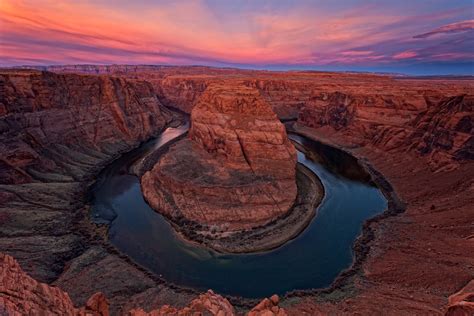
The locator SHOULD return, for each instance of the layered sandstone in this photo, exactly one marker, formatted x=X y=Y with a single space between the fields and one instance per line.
x=235 y=122
x=22 y=295
x=415 y=260
x=437 y=129
x=236 y=170
x=57 y=131
x=57 y=128
x=387 y=112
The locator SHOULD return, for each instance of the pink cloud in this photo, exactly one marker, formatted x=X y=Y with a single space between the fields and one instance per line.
x=457 y=27
x=405 y=55
x=195 y=32
x=357 y=53
x=453 y=56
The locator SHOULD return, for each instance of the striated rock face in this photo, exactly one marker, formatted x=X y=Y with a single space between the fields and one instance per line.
x=182 y=93
x=390 y=113
x=57 y=131
x=445 y=132
x=439 y=129
x=236 y=170
x=432 y=118
x=22 y=295
x=237 y=123
x=49 y=122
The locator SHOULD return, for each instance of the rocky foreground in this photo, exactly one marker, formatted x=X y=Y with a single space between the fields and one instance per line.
x=22 y=295
x=58 y=130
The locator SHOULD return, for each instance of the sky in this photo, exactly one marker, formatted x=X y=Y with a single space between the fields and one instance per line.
x=422 y=37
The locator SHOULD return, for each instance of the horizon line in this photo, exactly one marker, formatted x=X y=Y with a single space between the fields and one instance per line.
x=243 y=67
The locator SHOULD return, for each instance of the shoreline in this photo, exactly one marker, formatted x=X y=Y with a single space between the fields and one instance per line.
x=259 y=239
x=273 y=235
x=343 y=280
x=361 y=246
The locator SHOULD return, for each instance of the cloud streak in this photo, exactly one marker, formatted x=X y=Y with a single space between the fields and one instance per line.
x=450 y=28
x=305 y=34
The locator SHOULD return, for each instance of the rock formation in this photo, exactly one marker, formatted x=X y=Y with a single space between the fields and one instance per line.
x=462 y=302
x=60 y=127
x=387 y=112
x=268 y=307
x=417 y=133
x=205 y=304
x=236 y=170
x=438 y=129
x=22 y=295
x=57 y=131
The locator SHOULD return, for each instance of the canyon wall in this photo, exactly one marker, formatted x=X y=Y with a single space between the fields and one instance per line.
x=22 y=295
x=59 y=127
x=57 y=131
x=432 y=118
x=418 y=133
x=437 y=129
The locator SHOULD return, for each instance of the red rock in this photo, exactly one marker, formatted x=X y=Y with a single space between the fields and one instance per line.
x=206 y=304
x=236 y=122
x=57 y=132
x=462 y=302
x=53 y=123
x=236 y=171
x=441 y=132
x=22 y=295
x=268 y=307
x=388 y=122
x=98 y=304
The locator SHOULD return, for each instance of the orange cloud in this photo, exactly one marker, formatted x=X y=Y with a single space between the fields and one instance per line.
x=184 y=32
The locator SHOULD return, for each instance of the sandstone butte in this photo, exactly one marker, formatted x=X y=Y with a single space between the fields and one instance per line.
x=59 y=127
x=235 y=171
